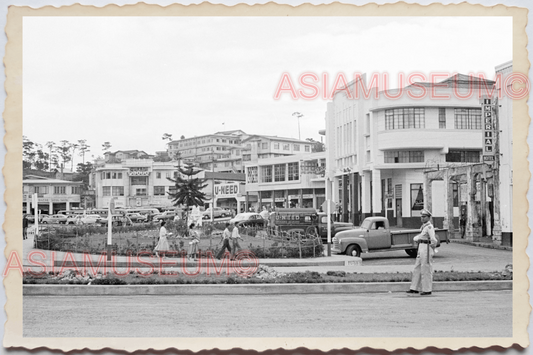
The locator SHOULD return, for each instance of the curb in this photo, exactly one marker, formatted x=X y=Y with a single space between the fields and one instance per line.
x=254 y=289
x=482 y=245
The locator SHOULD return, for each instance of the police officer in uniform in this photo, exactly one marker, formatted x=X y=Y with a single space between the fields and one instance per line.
x=423 y=272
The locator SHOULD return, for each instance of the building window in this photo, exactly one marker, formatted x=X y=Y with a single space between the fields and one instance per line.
x=307 y=148
x=286 y=147
x=264 y=145
x=276 y=145
x=246 y=157
x=140 y=192
x=279 y=172
x=106 y=191
x=158 y=175
x=75 y=190
x=139 y=180
x=116 y=175
x=167 y=175
x=417 y=197
x=266 y=173
x=252 y=175
x=159 y=191
x=296 y=147
x=60 y=190
x=294 y=171
x=117 y=190
x=442 y=117
x=468 y=118
x=108 y=175
x=404 y=156
x=463 y=156
x=405 y=118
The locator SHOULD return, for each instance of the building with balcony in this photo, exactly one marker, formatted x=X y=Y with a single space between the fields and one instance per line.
x=258 y=147
x=286 y=181
x=53 y=194
x=145 y=183
x=379 y=148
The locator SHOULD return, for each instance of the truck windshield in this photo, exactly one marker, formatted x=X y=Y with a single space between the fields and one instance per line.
x=366 y=224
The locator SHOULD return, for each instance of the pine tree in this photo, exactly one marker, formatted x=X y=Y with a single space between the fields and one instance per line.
x=188 y=189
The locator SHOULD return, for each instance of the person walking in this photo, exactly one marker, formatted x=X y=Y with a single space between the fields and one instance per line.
x=193 y=244
x=162 y=246
x=235 y=236
x=25 y=223
x=422 y=281
x=226 y=236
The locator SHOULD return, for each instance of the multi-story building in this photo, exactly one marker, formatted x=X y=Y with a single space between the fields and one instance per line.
x=257 y=147
x=287 y=181
x=380 y=148
x=121 y=155
x=220 y=151
x=145 y=182
x=228 y=151
x=53 y=194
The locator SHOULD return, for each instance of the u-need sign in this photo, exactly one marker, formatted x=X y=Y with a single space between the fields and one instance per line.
x=226 y=190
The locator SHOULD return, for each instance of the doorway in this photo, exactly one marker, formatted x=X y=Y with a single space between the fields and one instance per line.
x=399 y=212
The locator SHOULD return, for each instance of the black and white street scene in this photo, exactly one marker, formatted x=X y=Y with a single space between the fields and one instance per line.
x=269 y=177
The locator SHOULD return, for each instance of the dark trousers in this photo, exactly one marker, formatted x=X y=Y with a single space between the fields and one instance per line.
x=225 y=245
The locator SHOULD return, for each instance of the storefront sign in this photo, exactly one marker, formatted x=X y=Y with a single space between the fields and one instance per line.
x=227 y=190
x=74 y=198
x=307 y=196
x=141 y=171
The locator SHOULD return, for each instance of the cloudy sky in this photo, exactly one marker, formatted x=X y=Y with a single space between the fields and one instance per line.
x=128 y=80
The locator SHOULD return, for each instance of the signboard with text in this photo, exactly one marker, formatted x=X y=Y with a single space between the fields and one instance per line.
x=488 y=131
x=226 y=190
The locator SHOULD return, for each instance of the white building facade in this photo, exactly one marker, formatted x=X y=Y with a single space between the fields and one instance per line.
x=380 y=148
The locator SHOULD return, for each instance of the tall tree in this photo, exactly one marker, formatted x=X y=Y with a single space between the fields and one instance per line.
x=73 y=147
x=64 y=152
x=51 y=146
x=167 y=136
x=28 y=153
x=188 y=188
x=106 y=146
x=84 y=148
x=84 y=171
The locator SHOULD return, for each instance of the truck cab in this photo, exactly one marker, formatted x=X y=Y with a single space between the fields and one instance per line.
x=335 y=226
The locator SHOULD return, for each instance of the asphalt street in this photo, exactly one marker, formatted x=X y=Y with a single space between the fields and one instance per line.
x=444 y=314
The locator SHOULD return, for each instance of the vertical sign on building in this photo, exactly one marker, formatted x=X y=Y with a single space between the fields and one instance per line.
x=488 y=131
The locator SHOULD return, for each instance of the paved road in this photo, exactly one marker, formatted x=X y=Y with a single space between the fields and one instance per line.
x=444 y=314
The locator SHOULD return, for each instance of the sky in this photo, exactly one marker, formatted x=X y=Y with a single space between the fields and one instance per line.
x=129 y=80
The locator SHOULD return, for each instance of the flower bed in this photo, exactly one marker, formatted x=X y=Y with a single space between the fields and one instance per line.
x=264 y=274
x=132 y=240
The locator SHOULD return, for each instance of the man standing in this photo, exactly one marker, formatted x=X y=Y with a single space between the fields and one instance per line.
x=25 y=223
x=423 y=272
x=226 y=235
x=235 y=236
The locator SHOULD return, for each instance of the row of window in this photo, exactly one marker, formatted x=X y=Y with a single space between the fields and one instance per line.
x=274 y=173
x=417 y=156
x=414 y=117
x=141 y=191
x=285 y=146
x=210 y=140
x=56 y=190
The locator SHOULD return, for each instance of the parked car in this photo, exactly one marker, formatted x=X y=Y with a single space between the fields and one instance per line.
x=249 y=219
x=165 y=216
x=55 y=218
x=118 y=220
x=137 y=217
x=217 y=213
x=84 y=219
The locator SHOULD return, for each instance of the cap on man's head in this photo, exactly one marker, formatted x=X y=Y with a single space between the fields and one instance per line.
x=425 y=212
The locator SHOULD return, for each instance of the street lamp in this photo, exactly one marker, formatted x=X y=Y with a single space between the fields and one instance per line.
x=298 y=114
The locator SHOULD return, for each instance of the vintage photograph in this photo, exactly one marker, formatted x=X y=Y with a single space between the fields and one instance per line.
x=241 y=176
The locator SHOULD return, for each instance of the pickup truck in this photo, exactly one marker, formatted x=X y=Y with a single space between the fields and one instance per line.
x=335 y=227
x=375 y=235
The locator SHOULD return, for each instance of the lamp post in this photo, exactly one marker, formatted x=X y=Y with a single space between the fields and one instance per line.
x=298 y=114
x=213 y=187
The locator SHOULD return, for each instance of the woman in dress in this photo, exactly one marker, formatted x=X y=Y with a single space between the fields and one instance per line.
x=162 y=246
x=193 y=244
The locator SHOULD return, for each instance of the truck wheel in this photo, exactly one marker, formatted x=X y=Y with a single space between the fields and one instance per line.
x=353 y=250
x=412 y=252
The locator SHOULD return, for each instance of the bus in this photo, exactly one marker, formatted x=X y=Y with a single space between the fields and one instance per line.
x=141 y=210
x=103 y=212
